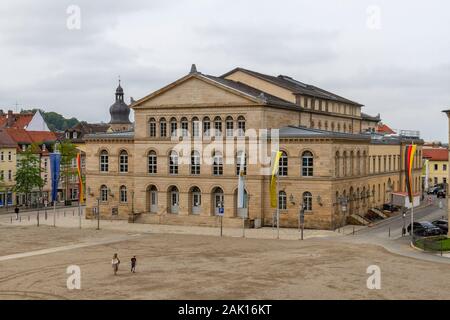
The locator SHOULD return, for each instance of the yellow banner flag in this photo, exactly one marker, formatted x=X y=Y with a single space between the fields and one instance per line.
x=273 y=180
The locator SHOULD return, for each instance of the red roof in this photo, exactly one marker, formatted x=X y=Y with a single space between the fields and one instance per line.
x=382 y=128
x=28 y=137
x=435 y=154
x=20 y=120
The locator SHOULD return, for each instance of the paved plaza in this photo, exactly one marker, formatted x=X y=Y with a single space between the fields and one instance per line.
x=176 y=262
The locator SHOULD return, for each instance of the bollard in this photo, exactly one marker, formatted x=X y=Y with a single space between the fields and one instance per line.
x=11 y=219
x=353 y=230
x=73 y=213
x=389 y=232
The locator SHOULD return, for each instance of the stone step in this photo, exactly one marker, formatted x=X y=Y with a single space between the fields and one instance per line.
x=379 y=213
x=360 y=220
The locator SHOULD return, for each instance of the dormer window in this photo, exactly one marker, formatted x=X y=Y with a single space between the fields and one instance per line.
x=75 y=134
x=24 y=148
x=67 y=135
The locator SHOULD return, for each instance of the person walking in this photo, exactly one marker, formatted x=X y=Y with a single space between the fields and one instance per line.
x=16 y=211
x=115 y=263
x=133 y=264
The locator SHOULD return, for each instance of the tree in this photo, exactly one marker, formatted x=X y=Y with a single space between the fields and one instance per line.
x=28 y=175
x=68 y=153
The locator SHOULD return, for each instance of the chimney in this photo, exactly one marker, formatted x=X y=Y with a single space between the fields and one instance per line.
x=10 y=119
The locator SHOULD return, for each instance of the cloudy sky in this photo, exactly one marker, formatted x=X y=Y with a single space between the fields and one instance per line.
x=391 y=56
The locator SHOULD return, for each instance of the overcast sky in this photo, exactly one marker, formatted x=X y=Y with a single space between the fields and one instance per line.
x=391 y=56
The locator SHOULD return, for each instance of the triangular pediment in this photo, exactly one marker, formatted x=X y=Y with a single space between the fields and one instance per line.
x=195 y=90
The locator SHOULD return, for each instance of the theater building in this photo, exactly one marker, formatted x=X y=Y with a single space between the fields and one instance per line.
x=180 y=161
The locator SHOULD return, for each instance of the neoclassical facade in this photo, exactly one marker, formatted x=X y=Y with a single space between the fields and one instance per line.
x=181 y=162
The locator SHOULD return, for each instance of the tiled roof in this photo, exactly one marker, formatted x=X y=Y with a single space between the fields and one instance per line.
x=28 y=137
x=366 y=116
x=295 y=86
x=21 y=120
x=383 y=128
x=435 y=154
x=6 y=140
x=253 y=92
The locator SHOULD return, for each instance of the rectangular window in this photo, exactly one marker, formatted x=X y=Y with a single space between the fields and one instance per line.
x=163 y=129
x=444 y=167
x=241 y=128
x=104 y=163
x=206 y=128
x=9 y=156
x=436 y=168
x=152 y=129
x=152 y=168
x=283 y=166
x=123 y=195
x=173 y=129
x=104 y=194
x=184 y=129
x=218 y=128
x=1 y=156
x=2 y=175
x=229 y=128
x=9 y=175
x=196 y=129
x=282 y=201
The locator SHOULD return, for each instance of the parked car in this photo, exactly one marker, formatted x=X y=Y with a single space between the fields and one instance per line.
x=425 y=229
x=389 y=207
x=441 y=224
x=441 y=193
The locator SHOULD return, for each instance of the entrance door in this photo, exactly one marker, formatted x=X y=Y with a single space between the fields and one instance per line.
x=174 y=199
x=218 y=202
x=154 y=201
x=196 y=202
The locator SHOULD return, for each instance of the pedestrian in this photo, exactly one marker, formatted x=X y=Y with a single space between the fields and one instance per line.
x=133 y=264
x=115 y=263
x=16 y=211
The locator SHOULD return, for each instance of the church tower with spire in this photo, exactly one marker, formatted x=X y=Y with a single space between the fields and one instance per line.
x=120 y=113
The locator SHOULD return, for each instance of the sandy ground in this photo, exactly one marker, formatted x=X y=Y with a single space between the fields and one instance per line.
x=180 y=266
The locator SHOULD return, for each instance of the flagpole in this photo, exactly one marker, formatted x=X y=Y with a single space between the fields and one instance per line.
x=278 y=209
x=54 y=212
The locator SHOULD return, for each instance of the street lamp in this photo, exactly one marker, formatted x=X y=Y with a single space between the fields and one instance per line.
x=98 y=213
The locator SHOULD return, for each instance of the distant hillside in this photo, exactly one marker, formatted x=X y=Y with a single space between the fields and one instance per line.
x=55 y=121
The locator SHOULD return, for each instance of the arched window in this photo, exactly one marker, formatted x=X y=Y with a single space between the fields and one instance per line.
x=152 y=162
x=123 y=194
x=229 y=126
x=195 y=127
x=152 y=127
x=104 y=161
x=344 y=164
x=332 y=126
x=173 y=127
x=195 y=162
x=345 y=127
x=307 y=164
x=123 y=161
x=352 y=163
x=319 y=125
x=282 y=200
x=206 y=127
x=184 y=127
x=283 y=165
x=218 y=127
x=307 y=200
x=173 y=162
x=241 y=126
x=241 y=156
x=217 y=164
x=339 y=127
x=162 y=127
x=326 y=125
x=104 y=193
